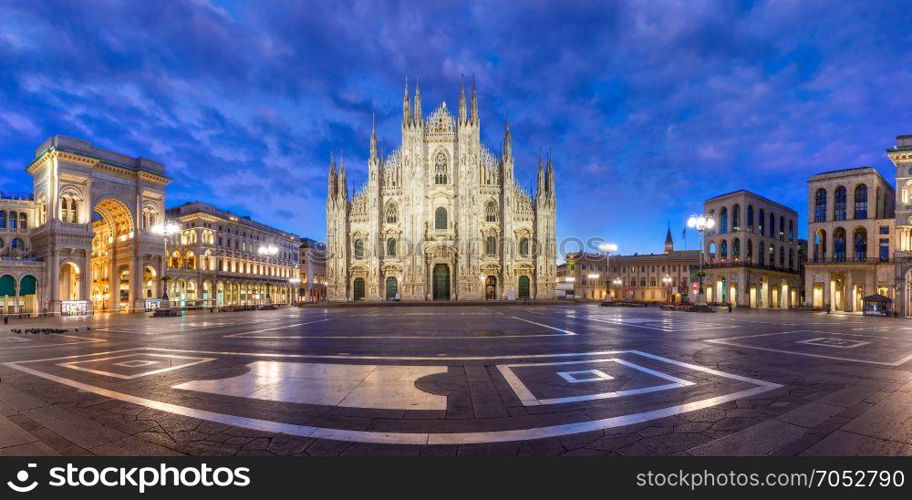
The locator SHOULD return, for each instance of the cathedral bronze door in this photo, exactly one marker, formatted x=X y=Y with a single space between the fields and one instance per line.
x=523 y=287
x=441 y=282
x=359 y=289
x=392 y=288
x=491 y=288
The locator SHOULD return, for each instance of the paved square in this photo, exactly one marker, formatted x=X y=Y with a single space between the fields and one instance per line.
x=574 y=379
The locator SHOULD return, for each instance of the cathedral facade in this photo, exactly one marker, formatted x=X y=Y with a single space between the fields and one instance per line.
x=441 y=217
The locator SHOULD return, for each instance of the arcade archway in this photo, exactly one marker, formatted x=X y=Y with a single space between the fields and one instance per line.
x=112 y=257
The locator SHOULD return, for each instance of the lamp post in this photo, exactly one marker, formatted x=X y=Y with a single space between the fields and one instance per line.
x=267 y=250
x=294 y=289
x=165 y=230
x=701 y=223
x=667 y=282
x=608 y=248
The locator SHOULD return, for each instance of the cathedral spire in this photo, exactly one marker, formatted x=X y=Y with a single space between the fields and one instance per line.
x=405 y=106
x=541 y=177
x=343 y=178
x=331 y=183
x=475 y=119
x=462 y=102
x=669 y=243
x=416 y=115
x=373 y=140
x=508 y=140
x=549 y=176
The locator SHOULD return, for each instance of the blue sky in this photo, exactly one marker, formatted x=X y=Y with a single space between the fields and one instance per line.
x=649 y=107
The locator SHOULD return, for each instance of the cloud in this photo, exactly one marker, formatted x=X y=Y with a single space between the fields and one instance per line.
x=648 y=107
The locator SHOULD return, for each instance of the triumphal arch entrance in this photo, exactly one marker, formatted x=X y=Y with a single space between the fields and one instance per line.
x=95 y=211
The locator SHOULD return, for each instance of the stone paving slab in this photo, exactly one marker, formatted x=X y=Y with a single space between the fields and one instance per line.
x=841 y=443
x=79 y=430
x=759 y=439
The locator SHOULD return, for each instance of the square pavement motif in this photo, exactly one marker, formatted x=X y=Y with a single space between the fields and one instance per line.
x=837 y=343
x=126 y=366
x=593 y=375
x=545 y=383
x=879 y=349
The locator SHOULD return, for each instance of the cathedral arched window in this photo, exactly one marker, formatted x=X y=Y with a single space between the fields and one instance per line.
x=440 y=168
x=440 y=218
x=491 y=212
x=359 y=249
x=392 y=213
x=491 y=246
x=524 y=247
x=391 y=247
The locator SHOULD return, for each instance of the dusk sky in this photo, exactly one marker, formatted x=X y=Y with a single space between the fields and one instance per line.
x=648 y=107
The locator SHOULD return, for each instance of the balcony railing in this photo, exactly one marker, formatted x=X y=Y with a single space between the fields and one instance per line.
x=712 y=264
x=848 y=260
x=17 y=258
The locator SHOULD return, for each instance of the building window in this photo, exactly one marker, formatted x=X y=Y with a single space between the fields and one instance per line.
x=736 y=218
x=861 y=202
x=440 y=218
x=820 y=205
x=839 y=210
x=723 y=220
x=839 y=245
x=359 y=249
x=750 y=217
x=391 y=247
x=884 y=249
x=861 y=244
x=440 y=168
x=392 y=213
x=524 y=247
x=761 y=221
x=491 y=246
x=491 y=212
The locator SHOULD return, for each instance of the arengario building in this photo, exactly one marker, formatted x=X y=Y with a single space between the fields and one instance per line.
x=441 y=217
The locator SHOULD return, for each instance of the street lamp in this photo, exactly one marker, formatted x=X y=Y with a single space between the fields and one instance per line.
x=608 y=248
x=268 y=250
x=701 y=223
x=165 y=230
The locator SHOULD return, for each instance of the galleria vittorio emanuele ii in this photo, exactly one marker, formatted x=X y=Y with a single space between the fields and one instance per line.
x=89 y=239
x=441 y=217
